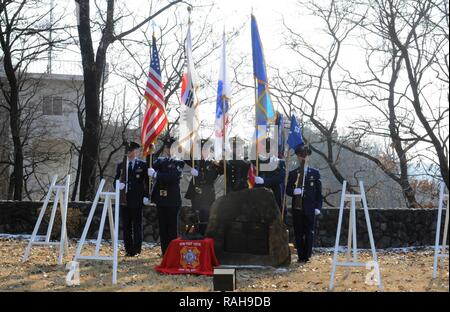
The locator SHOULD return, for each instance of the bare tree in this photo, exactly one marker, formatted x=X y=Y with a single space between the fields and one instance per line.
x=301 y=90
x=93 y=71
x=23 y=25
x=414 y=28
x=407 y=129
x=382 y=92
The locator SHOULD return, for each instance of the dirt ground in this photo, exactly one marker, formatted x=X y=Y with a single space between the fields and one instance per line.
x=403 y=271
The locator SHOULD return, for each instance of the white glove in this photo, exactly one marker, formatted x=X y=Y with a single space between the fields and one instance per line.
x=298 y=191
x=146 y=201
x=121 y=186
x=194 y=172
x=316 y=212
x=151 y=173
x=259 y=180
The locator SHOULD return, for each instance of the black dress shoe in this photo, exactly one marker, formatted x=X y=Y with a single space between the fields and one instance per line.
x=129 y=255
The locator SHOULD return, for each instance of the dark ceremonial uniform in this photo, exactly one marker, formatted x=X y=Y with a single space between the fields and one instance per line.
x=136 y=189
x=304 y=219
x=166 y=195
x=201 y=189
x=237 y=174
x=273 y=180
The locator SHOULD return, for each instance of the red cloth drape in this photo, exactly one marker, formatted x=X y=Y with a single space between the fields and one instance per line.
x=189 y=257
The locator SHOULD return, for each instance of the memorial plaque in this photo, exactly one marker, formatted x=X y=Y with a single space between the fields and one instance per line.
x=248 y=230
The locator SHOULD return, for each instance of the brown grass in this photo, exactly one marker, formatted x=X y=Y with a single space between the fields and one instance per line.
x=401 y=271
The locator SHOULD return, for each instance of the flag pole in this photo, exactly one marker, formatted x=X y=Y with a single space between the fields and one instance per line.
x=288 y=156
x=256 y=127
x=223 y=147
x=150 y=152
x=224 y=98
x=285 y=185
x=193 y=135
x=150 y=165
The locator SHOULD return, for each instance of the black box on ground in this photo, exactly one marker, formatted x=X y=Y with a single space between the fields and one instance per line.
x=224 y=279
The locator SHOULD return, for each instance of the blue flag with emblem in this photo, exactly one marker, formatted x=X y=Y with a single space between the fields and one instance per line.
x=295 y=137
x=265 y=113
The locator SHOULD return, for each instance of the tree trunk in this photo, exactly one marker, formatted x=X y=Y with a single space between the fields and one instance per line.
x=443 y=160
x=77 y=178
x=18 y=154
x=407 y=190
x=89 y=148
x=93 y=67
x=10 y=187
x=415 y=89
x=90 y=140
x=14 y=120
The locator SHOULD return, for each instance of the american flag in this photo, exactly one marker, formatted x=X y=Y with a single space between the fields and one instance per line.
x=155 y=118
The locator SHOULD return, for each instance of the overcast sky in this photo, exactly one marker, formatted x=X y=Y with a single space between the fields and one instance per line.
x=236 y=13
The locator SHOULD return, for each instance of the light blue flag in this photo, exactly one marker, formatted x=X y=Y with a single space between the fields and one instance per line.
x=265 y=113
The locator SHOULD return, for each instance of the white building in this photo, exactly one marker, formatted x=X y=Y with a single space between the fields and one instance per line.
x=51 y=103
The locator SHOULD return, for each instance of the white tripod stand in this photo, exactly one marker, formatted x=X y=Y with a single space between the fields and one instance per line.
x=439 y=249
x=113 y=226
x=61 y=198
x=352 y=236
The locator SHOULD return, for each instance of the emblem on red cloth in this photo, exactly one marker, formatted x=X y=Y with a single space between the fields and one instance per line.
x=189 y=257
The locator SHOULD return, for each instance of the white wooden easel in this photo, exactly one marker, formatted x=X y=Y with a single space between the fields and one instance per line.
x=113 y=226
x=439 y=249
x=61 y=198
x=352 y=236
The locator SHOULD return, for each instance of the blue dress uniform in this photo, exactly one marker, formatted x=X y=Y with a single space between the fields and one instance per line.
x=136 y=189
x=237 y=168
x=201 y=191
x=273 y=180
x=237 y=174
x=304 y=219
x=167 y=197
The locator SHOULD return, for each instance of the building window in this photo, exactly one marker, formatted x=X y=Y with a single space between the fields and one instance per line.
x=57 y=105
x=52 y=105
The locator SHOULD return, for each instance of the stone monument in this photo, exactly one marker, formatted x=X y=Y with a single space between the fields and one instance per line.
x=248 y=230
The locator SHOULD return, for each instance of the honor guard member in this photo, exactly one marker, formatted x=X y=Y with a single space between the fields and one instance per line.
x=136 y=195
x=237 y=168
x=201 y=191
x=166 y=174
x=272 y=179
x=305 y=187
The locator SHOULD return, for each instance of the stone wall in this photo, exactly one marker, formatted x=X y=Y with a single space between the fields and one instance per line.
x=392 y=228
x=401 y=227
